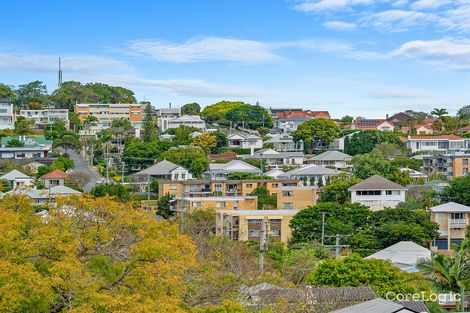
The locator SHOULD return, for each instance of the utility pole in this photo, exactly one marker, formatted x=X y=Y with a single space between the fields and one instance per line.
x=182 y=212
x=107 y=163
x=261 y=246
x=122 y=173
x=323 y=227
x=337 y=246
x=148 y=191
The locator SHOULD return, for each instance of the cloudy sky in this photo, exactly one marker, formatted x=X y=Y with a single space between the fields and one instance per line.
x=357 y=57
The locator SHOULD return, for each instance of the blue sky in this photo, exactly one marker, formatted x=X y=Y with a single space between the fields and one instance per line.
x=357 y=57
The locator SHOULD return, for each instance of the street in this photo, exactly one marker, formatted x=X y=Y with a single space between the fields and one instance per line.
x=81 y=166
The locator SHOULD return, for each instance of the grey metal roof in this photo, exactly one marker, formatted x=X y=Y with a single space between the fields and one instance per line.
x=377 y=305
x=233 y=166
x=417 y=306
x=403 y=252
x=311 y=170
x=331 y=155
x=161 y=168
x=377 y=182
x=450 y=207
x=15 y=174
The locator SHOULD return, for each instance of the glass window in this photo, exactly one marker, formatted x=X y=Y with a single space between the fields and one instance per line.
x=196 y=204
x=220 y=204
x=172 y=186
x=249 y=185
x=287 y=193
x=393 y=192
x=287 y=205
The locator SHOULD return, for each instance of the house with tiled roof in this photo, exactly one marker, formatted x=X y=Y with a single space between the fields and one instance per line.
x=438 y=144
x=54 y=178
x=372 y=124
x=306 y=113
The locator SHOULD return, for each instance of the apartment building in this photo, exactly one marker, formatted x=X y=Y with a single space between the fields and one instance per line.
x=220 y=171
x=285 y=143
x=164 y=115
x=191 y=204
x=46 y=117
x=436 y=144
x=187 y=120
x=296 y=197
x=247 y=225
x=453 y=219
x=203 y=188
x=378 y=193
x=449 y=165
x=106 y=113
x=6 y=114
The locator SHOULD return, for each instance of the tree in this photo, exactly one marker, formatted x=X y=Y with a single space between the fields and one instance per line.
x=206 y=141
x=379 y=275
x=77 y=180
x=346 y=120
x=139 y=154
x=317 y=133
x=390 y=150
x=165 y=206
x=191 y=109
x=23 y=125
x=457 y=191
x=249 y=116
x=193 y=158
x=366 y=165
x=337 y=191
x=74 y=121
x=215 y=113
x=5 y=185
x=15 y=143
x=450 y=123
x=449 y=274
x=120 y=192
x=266 y=201
x=7 y=92
x=464 y=113
x=439 y=112
x=90 y=121
x=221 y=141
x=32 y=92
x=149 y=130
x=364 y=141
x=124 y=123
x=182 y=134
x=96 y=255
x=63 y=163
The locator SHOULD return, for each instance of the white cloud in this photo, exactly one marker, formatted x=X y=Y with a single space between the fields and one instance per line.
x=329 y=5
x=338 y=25
x=400 y=93
x=429 y=4
x=400 y=20
x=204 y=49
x=460 y=17
x=448 y=52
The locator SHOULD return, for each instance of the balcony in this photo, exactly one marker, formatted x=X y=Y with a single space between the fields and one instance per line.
x=458 y=223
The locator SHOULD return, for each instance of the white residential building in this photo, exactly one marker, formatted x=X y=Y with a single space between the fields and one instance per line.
x=187 y=120
x=332 y=158
x=274 y=158
x=18 y=179
x=291 y=124
x=167 y=171
x=6 y=114
x=311 y=174
x=378 y=193
x=46 y=116
x=438 y=144
x=218 y=171
x=245 y=142
x=166 y=114
x=285 y=143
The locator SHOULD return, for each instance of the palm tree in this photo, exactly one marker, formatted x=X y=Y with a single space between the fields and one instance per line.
x=449 y=274
x=439 y=112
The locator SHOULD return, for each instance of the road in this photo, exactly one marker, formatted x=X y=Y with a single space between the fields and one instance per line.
x=81 y=166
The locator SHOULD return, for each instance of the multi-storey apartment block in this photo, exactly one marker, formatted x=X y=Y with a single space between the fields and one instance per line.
x=6 y=114
x=166 y=114
x=449 y=165
x=453 y=219
x=296 y=197
x=45 y=117
x=246 y=225
x=191 y=204
x=106 y=113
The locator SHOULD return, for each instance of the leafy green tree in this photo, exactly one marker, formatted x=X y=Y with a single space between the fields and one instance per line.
x=457 y=191
x=32 y=92
x=364 y=141
x=206 y=141
x=5 y=185
x=193 y=158
x=23 y=126
x=90 y=121
x=149 y=130
x=7 y=92
x=390 y=150
x=450 y=123
x=63 y=163
x=337 y=191
x=215 y=113
x=43 y=170
x=353 y=271
x=266 y=201
x=191 y=109
x=124 y=123
x=316 y=133
x=74 y=121
x=464 y=113
x=139 y=154
x=182 y=134
x=165 y=206
x=449 y=274
x=439 y=112
x=250 y=116
x=15 y=143
x=120 y=192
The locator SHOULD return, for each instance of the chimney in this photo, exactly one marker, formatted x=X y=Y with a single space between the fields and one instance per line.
x=170 y=105
x=386 y=116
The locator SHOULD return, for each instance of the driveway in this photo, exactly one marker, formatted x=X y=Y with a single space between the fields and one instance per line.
x=81 y=166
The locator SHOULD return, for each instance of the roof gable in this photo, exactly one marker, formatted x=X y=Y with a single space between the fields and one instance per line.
x=55 y=174
x=377 y=182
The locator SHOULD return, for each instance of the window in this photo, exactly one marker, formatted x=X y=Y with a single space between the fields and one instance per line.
x=465 y=171
x=183 y=176
x=287 y=193
x=21 y=155
x=249 y=185
x=457 y=216
x=393 y=192
x=465 y=162
x=196 y=204
x=368 y=192
x=287 y=205
x=172 y=186
x=220 y=204
x=275 y=185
